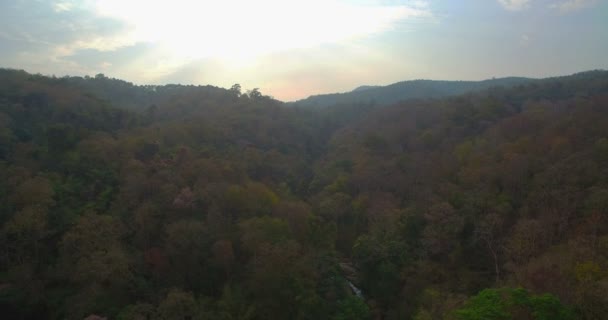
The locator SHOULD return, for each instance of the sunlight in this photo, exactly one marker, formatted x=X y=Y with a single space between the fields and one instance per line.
x=240 y=30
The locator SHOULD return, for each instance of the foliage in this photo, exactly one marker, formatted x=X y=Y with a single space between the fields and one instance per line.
x=508 y=303
x=162 y=202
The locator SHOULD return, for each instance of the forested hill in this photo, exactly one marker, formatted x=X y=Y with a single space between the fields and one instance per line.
x=116 y=92
x=195 y=202
x=406 y=90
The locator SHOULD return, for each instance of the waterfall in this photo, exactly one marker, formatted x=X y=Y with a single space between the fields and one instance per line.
x=355 y=290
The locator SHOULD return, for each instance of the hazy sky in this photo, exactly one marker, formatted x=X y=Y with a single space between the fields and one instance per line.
x=291 y=49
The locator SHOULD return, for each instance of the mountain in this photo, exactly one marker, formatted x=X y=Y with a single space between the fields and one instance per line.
x=415 y=89
x=196 y=202
x=363 y=88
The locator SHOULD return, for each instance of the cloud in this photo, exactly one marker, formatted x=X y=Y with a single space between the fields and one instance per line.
x=514 y=5
x=37 y=34
x=205 y=36
x=90 y=57
x=58 y=24
x=572 y=5
x=63 y=6
x=201 y=29
x=163 y=37
x=66 y=37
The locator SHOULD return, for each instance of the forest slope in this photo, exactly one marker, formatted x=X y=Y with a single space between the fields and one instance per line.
x=206 y=203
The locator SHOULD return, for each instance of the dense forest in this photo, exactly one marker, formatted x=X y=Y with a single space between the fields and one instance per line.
x=120 y=201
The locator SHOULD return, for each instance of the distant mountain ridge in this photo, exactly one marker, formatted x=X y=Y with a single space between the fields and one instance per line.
x=363 y=88
x=406 y=90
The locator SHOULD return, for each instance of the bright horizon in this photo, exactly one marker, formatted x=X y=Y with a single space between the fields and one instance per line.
x=292 y=49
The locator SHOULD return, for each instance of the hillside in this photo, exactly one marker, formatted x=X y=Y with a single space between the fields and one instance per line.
x=407 y=90
x=197 y=202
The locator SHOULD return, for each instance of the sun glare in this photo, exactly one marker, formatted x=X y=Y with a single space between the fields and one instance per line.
x=240 y=30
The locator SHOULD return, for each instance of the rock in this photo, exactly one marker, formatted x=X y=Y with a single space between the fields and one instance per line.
x=350 y=273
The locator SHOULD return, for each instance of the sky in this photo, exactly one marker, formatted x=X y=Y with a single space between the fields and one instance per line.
x=292 y=49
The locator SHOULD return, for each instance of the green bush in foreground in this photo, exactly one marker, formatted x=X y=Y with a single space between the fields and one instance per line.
x=509 y=303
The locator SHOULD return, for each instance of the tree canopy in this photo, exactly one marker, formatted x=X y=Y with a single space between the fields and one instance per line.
x=197 y=202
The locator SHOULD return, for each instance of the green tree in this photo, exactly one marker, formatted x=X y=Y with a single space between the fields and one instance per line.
x=254 y=93
x=509 y=303
x=96 y=263
x=263 y=231
x=188 y=248
x=234 y=305
x=352 y=308
x=178 y=304
x=236 y=89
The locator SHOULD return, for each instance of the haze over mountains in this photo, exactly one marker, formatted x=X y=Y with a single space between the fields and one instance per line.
x=414 y=89
x=296 y=49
